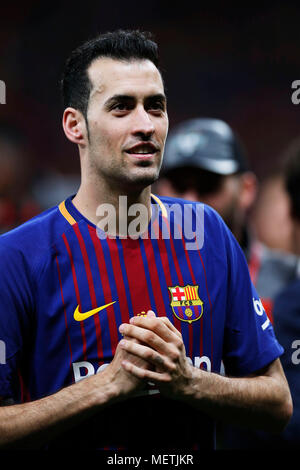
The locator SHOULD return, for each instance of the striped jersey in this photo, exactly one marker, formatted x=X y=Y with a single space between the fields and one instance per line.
x=66 y=288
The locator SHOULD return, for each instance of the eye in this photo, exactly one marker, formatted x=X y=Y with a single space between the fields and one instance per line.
x=156 y=106
x=119 y=107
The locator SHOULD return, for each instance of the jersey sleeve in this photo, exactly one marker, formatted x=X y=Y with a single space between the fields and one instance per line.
x=15 y=305
x=249 y=343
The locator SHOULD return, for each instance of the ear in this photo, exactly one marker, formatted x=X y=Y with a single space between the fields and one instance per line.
x=248 y=189
x=74 y=126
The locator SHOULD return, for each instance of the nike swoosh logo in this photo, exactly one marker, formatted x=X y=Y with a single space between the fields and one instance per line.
x=78 y=316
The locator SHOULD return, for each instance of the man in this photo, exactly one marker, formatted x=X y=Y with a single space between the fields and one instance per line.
x=71 y=291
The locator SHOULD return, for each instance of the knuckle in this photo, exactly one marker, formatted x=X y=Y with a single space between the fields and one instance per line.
x=172 y=366
x=150 y=336
x=154 y=324
x=175 y=355
x=171 y=353
x=159 y=360
x=148 y=354
x=179 y=342
x=167 y=321
x=167 y=378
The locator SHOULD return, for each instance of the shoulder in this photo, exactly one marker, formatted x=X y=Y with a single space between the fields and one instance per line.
x=201 y=220
x=191 y=207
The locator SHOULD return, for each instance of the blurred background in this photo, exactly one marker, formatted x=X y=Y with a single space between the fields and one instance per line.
x=236 y=63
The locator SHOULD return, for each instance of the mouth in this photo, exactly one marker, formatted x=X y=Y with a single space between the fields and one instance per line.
x=144 y=150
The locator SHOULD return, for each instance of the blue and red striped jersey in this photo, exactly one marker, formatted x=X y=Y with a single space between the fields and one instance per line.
x=66 y=288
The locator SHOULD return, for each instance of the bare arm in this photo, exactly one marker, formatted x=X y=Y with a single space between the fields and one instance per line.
x=32 y=424
x=259 y=401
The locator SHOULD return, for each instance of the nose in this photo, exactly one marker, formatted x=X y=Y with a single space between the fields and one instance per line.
x=142 y=123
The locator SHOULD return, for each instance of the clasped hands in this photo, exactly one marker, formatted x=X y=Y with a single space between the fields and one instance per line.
x=156 y=341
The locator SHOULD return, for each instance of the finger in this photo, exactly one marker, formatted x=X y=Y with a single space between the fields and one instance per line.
x=148 y=354
x=146 y=374
x=166 y=321
x=150 y=314
x=162 y=328
x=144 y=336
x=150 y=338
x=170 y=326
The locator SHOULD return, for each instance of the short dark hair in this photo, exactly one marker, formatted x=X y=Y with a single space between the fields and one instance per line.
x=120 y=45
x=291 y=168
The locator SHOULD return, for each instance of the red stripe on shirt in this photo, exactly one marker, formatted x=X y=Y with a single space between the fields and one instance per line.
x=155 y=282
x=136 y=276
x=116 y=265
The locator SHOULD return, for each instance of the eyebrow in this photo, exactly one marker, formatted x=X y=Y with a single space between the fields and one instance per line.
x=114 y=98
x=157 y=97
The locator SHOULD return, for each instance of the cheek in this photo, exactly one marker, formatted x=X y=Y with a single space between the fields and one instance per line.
x=101 y=137
x=112 y=134
x=163 y=129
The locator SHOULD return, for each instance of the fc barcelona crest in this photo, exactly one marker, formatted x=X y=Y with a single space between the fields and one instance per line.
x=185 y=303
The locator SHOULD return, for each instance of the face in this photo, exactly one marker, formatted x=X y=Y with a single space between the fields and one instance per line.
x=223 y=193
x=127 y=122
x=226 y=200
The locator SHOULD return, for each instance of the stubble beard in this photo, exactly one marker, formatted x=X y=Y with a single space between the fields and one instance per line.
x=121 y=176
x=233 y=218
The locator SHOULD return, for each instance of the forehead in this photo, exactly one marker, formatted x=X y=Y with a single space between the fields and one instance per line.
x=110 y=76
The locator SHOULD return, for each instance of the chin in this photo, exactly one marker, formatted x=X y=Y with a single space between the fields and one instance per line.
x=143 y=179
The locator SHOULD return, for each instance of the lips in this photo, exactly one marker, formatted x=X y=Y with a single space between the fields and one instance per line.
x=142 y=149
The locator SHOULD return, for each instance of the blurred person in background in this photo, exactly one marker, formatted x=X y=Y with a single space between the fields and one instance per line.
x=17 y=203
x=270 y=216
x=287 y=303
x=206 y=161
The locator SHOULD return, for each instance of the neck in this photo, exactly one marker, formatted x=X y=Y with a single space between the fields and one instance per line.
x=109 y=208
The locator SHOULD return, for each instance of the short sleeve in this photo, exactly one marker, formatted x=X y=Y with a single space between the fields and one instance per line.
x=15 y=305
x=250 y=343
